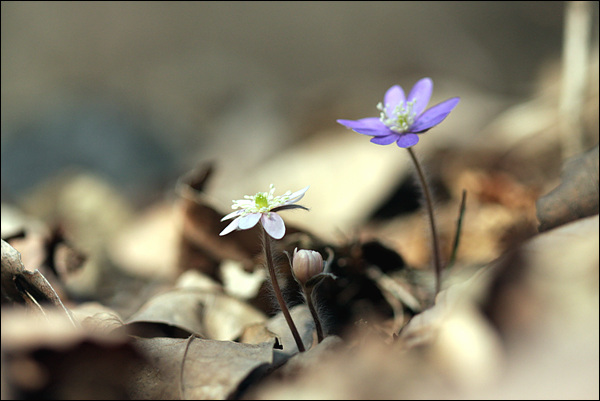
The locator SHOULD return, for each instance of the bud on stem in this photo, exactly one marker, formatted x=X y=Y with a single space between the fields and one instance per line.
x=306 y=265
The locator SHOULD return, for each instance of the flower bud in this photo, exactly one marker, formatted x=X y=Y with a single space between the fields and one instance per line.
x=306 y=264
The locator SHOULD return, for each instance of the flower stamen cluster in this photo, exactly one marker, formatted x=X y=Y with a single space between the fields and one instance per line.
x=262 y=202
x=401 y=117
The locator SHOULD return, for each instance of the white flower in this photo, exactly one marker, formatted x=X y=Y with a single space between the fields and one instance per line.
x=261 y=207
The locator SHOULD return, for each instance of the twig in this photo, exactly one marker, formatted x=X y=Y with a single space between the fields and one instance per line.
x=461 y=213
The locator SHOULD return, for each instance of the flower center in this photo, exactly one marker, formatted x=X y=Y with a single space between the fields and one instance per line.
x=261 y=201
x=401 y=117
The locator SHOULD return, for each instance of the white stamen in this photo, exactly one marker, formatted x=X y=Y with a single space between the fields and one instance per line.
x=401 y=118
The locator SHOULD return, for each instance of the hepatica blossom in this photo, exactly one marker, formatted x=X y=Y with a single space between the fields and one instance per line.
x=401 y=117
x=263 y=207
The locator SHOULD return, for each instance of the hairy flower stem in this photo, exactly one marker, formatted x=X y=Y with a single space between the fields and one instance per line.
x=278 y=294
x=313 y=312
x=434 y=236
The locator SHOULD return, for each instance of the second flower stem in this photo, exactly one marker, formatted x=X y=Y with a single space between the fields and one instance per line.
x=313 y=312
x=429 y=202
x=278 y=294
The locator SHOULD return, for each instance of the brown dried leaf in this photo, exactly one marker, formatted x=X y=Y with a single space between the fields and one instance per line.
x=47 y=357
x=20 y=286
x=576 y=196
x=207 y=314
x=197 y=368
x=306 y=328
x=45 y=249
x=258 y=333
x=97 y=318
x=201 y=247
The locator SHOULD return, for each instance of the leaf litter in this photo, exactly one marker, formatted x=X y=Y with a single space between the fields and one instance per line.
x=87 y=315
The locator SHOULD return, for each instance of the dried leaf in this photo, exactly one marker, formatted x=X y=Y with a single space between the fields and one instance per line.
x=47 y=357
x=197 y=368
x=258 y=333
x=201 y=247
x=305 y=325
x=42 y=248
x=97 y=318
x=24 y=287
x=312 y=358
x=576 y=196
x=207 y=314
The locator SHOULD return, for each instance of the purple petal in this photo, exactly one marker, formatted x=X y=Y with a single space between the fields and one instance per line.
x=422 y=93
x=407 y=140
x=232 y=215
x=248 y=221
x=435 y=115
x=273 y=225
x=393 y=97
x=231 y=227
x=384 y=140
x=367 y=126
x=296 y=196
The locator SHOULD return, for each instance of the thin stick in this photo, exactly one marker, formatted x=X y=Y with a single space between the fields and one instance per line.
x=280 y=300
x=434 y=236
x=461 y=213
x=185 y=351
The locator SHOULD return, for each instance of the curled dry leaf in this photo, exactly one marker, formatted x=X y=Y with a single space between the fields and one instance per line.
x=258 y=333
x=46 y=249
x=206 y=314
x=305 y=325
x=576 y=196
x=97 y=318
x=197 y=368
x=201 y=247
x=312 y=358
x=20 y=286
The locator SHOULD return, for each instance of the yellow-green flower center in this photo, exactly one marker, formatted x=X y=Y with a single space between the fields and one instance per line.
x=261 y=201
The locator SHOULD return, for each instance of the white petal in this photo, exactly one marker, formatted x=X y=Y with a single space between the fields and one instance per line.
x=244 y=202
x=273 y=225
x=296 y=196
x=231 y=227
x=249 y=221
x=232 y=215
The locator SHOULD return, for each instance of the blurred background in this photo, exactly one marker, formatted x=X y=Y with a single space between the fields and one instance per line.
x=140 y=92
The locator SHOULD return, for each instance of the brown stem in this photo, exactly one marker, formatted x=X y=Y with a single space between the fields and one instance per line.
x=280 y=300
x=434 y=236
x=313 y=312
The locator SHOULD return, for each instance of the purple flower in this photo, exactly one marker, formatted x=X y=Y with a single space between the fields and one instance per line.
x=262 y=206
x=402 y=118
